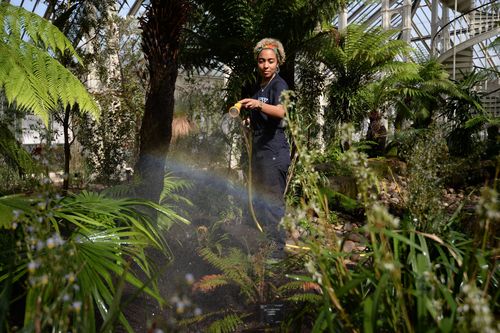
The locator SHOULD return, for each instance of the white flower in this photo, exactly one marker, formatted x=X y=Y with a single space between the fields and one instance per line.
x=16 y=213
x=189 y=278
x=77 y=306
x=32 y=266
x=50 y=243
x=71 y=277
x=180 y=308
x=388 y=266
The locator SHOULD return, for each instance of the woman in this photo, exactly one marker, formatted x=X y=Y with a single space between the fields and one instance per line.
x=270 y=149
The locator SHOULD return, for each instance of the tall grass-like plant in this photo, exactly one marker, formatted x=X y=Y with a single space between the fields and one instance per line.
x=409 y=280
x=72 y=256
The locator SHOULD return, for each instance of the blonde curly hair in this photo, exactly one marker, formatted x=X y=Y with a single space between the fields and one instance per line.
x=272 y=44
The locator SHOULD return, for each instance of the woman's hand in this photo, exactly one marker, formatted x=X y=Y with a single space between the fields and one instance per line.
x=250 y=103
x=277 y=111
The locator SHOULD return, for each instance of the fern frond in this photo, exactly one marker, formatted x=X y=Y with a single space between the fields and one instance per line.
x=310 y=298
x=172 y=184
x=476 y=122
x=120 y=191
x=187 y=322
x=300 y=286
x=29 y=74
x=18 y=21
x=210 y=282
x=227 y=324
x=234 y=261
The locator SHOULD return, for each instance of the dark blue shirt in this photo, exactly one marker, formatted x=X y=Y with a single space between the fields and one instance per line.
x=269 y=94
x=268 y=131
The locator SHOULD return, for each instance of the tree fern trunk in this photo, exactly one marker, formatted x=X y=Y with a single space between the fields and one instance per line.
x=161 y=30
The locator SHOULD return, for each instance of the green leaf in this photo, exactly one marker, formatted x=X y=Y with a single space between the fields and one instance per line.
x=8 y=205
x=368 y=319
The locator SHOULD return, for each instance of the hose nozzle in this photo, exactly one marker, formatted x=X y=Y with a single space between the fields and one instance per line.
x=234 y=111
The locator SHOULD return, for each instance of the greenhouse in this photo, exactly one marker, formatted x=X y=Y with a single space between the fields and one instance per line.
x=249 y=166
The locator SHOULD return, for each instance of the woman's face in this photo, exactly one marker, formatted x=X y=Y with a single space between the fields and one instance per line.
x=267 y=63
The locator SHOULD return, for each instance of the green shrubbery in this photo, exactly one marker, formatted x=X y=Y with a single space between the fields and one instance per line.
x=419 y=272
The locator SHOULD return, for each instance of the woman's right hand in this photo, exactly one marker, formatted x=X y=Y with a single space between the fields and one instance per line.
x=250 y=103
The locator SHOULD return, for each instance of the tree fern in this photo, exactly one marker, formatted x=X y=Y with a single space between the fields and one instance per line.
x=354 y=58
x=29 y=74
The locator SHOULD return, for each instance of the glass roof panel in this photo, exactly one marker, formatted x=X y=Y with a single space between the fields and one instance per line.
x=368 y=12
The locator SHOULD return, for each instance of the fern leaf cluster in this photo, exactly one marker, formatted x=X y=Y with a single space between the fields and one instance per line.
x=236 y=268
x=30 y=74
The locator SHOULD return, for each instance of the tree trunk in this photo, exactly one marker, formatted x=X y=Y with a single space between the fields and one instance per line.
x=161 y=30
x=67 y=149
x=288 y=73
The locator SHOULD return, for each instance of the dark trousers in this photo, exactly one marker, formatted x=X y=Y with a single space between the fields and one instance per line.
x=269 y=172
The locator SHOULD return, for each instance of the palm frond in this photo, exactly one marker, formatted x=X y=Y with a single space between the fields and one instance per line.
x=10 y=207
x=104 y=236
